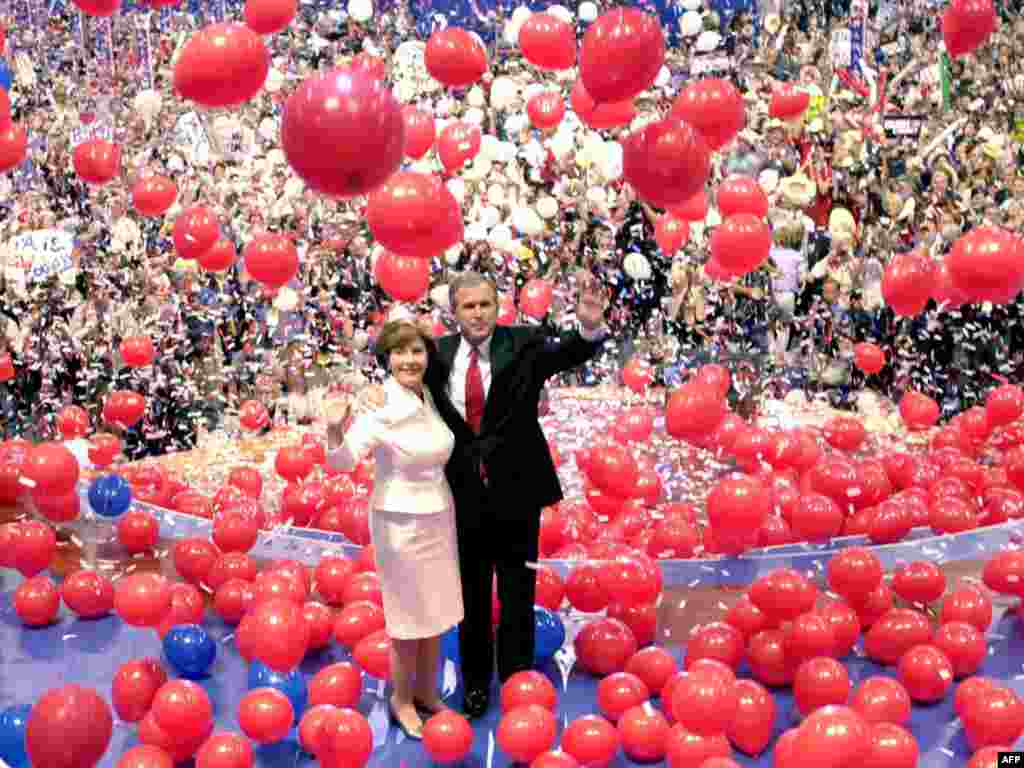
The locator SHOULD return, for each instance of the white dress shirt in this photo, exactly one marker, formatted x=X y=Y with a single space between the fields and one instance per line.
x=410 y=444
x=457 y=383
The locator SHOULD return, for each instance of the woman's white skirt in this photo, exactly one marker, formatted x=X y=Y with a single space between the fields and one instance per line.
x=418 y=564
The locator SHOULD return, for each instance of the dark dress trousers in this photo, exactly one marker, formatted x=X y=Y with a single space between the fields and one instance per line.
x=501 y=478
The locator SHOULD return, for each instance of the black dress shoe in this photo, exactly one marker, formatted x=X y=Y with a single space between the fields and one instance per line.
x=411 y=732
x=475 y=703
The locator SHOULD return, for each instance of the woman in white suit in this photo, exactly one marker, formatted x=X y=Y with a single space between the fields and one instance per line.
x=412 y=522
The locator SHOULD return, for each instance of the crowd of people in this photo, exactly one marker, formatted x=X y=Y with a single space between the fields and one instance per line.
x=849 y=186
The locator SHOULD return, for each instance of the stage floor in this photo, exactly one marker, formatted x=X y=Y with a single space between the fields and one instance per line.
x=89 y=652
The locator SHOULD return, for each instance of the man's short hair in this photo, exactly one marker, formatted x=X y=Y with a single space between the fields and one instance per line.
x=469 y=280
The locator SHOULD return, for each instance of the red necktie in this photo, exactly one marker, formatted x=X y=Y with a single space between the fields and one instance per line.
x=474 y=391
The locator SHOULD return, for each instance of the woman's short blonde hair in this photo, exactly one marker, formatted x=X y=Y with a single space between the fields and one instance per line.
x=397 y=334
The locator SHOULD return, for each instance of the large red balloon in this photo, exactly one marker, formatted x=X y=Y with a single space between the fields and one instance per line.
x=535 y=298
x=134 y=688
x=526 y=732
x=592 y=740
x=918 y=411
x=343 y=132
x=68 y=727
x=667 y=162
x=908 y=282
x=404 y=278
x=548 y=42
x=604 y=646
x=454 y=57
x=13 y=146
x=737 y=507
x=987 y=264
x=124 y=408
x=671 y=233
x=137 y=351
x=447 y=737
x=142 y=599
x=414 y=214
x=741 y=244
x=420 y=131
x=222 y=65
x=621 y=55
x=967 y=24
x=265 y=715
x=271 y=259
x=195 y=230
x=600 y=117
x=97 y=161
x=269 y=16
x=458 y=143
x=869 y=357
x=788 y=102
x=714 y=107
x=219 y=257
x=53 y=469
x=741 y=194
x=546 y=109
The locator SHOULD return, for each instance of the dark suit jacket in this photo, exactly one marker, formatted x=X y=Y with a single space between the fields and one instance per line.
x=511 y=445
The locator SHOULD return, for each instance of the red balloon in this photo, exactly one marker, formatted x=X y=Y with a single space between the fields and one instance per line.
x=919 y=582
x=671 y=233
x=225 y=750
x=339 y=685
x=896 y=632
x=882 y=700
x=788 y=102
x=134 y=688
x=193 y=559
x=926 y=672
x=528 y=688
x=600 y=117
x=892 y=746
x=854 y=573
x=253 y=415
x=993 y=715
x=604 y=646
x=454 y=57
x=766 y=655
x=817 y=518
x=704 y=703
x=13 y=147
x=138 y=531
x=414 y=214
x=97 y=161
x=716 y=641
x=590 y=739
x=99 y=7
x=179 y=748
x=809 y=636
x=36 y=601
x=352 y=740
x=142 y=599
x=666 y=162
x=269 y=16
x=714 y=107
x=548 y=42
x=963 y=645
x=404 y=278
x=1004 y=405
x=869 y=357
x=68 y=727
x=737 y=507
x=908 y=282
x=88 y=594
x=694 y=409
x=820 y=682
x=526 y=732
x=196 y=229
x=343 y=132
x=265 y=715
x=845 y=625
x=643 y=732
x=222 y=65
x=183 y=708
x=535 y=298
x=741 y=194
x=458 y=143
x=447 y=737
x=685 y=748
x=146 y=756
x=546 y=109
x=918 y=411
x=968 y=604
x=420 y=131
x=967 y=24
x=373 y=654
x=219 y=257
x=271 y=259
x=741 y=244
x=153 y=195
x=832 y=737
x=751 y=728
x=986 y=265
x=783 y=594
x=52 y=468
x=620 y=691
x=621 y=54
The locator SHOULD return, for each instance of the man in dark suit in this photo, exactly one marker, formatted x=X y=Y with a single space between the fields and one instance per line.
x=486 y=381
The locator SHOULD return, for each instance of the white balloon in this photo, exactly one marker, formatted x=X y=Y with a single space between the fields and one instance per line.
x=458 y=189
x=490 y=147
x=690 y=24
x=527 y=221
x=610 y=163
x=508 y=151
x=503 y=92
x=521 y=14
x=274 y=81
x=664 y=76
x=474 y=115
x=691 y=5
x=490 y=216
x=475 y=230
x=475 y=97
x=561 y=145
x=560 y=12
x=637 y=266
x=587 y=11
x=439 y=294
x=148 y=103
x=708 y=41
x=360 y=10
x=547 y=207
x=500 y=236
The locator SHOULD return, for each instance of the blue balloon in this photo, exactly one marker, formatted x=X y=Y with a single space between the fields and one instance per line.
x=292 y=685
x=13 y=722
x=190 y=650
x=110 y=496
x=549 y=635
x=6 y=77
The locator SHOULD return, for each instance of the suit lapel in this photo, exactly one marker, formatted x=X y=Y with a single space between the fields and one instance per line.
x=502 y=352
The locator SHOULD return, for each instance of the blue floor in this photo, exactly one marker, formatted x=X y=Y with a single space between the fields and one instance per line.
x=89 y=653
